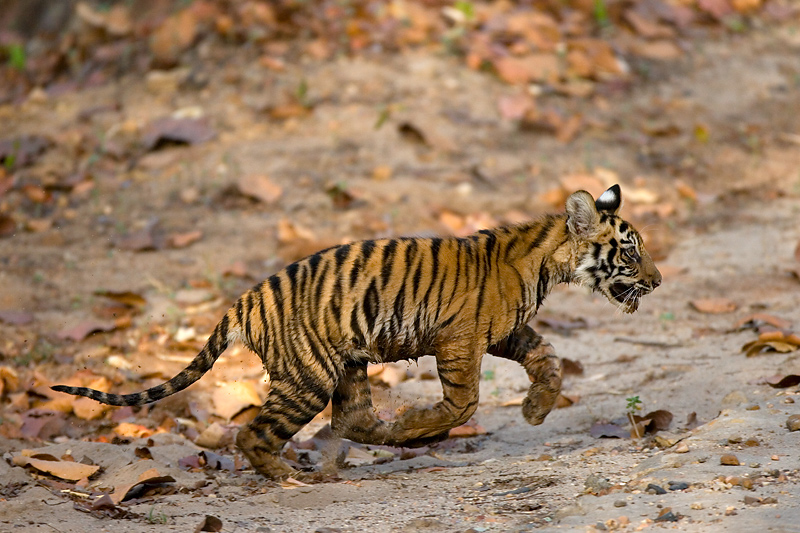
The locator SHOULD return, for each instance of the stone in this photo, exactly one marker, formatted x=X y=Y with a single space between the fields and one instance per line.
x=729 y=460
x=620 y=503
x=793 y=423
x=652 y=488
x=734 y=399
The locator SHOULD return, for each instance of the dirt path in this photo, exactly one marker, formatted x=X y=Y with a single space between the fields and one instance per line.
x=735 y=241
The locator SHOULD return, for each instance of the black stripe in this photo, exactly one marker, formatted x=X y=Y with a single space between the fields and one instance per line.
x=510 y=247
x=357 y=333
x=371 y=305
x=388 y=260
x=367 y=247
x=341 y=254
x=313 y=263
x=542 y=284
x=544 y=231
x=321 y=284
x=277 y=295
x=416 y=281
x=249 y=321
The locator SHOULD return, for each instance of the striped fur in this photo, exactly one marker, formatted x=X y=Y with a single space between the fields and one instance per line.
x=318 y=322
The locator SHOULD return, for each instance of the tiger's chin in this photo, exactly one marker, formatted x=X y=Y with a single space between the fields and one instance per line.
x=626 y=297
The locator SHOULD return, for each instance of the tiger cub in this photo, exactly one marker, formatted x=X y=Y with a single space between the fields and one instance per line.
x=318 y=322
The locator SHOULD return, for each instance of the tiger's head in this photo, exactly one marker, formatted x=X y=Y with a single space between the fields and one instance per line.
x=611 y=258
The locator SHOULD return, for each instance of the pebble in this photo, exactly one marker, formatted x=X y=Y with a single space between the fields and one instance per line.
x=729 y=460
x=682 y=448
x=667 y=516
x=678 y=485
x=793 y=423
x=733 y=399
x=775 y=458
x=596 y=484
x=652 y=488
x=697 y=506
x=620 y=503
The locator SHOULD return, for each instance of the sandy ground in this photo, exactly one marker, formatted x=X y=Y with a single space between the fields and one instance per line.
x=736 y=241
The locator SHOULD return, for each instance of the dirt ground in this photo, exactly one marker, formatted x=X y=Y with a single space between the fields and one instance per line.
x=734 y=240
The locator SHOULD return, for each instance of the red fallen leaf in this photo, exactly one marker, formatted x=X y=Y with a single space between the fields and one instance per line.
x=176 y=130
x=259 y=187
x=609 y=431
x=714 y=305
x=209 y=523
x=17 y=318
x=182 y=240
x=782 y=382
x=83 y=329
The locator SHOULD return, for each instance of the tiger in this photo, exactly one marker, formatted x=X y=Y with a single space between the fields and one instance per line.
x=317 y=323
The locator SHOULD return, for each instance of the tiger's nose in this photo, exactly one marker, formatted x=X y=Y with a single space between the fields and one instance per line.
x=656 y=281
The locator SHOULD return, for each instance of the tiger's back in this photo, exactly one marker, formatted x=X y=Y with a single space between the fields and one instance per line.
x=316 y=323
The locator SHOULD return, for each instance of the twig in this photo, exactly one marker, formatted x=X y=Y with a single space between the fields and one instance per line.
x=646 y=342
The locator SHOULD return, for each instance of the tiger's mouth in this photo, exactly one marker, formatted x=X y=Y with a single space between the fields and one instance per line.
x=627 y=296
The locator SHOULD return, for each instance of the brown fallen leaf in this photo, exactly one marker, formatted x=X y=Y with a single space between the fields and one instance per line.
x=22 y=151
x=783 y=382
x=128 y=298
x=571 y=368
x=173 y=36
x=517 y=106
x=608 y=430
x=566 y=400
x=259 y=187
x=758 y=320
x=232 y=397
x=8 y=227
x=209 y=523
x=182 y=240
x=9 y=380
x=142 y=240
x=714 y=305
x=66 y=470
x=470 y=429
x=719 y=9
x=147 y=481
x=185 y=130
x=538 y=67
x=17 y=318
x=131 y=430
x=80 y=331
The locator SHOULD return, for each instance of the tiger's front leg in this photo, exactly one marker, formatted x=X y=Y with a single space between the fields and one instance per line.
x=527 y=347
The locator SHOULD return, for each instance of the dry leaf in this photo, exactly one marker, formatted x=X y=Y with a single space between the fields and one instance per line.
x=757 y=320
x=173 y=36
x=146 y=481
x=292 y=483
x=517 y=106
x=566 y=400
x=259 y=187
x=134 y=431
x=232 y=397
x=66 y=470
x=17 y=318
x=9 y=380
x=209 y=523
x=470 y=429
x=182 y=240
x=719 y=9
x=540 y=67
x=714 y=305
x=83 y=329
x=184 y=130
x=783 y=382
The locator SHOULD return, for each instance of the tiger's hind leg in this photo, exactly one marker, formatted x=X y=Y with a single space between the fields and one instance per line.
x=353 y=416
x=539 y=359
x=458 y=365
x=285 y=412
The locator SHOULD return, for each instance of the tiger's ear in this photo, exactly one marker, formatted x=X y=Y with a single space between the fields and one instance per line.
x=610 y=201
x=583 y=215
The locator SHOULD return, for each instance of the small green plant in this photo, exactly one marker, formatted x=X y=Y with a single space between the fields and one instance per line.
x=634 y=404
x=156 y=517
x=466 y=8
x=16 y=56
x=601 y=14
x=488 y=375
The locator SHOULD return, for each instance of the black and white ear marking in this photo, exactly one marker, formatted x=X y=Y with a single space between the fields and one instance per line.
x=610 y=201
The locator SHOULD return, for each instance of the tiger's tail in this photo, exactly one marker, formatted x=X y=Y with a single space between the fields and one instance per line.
x=225 y=330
